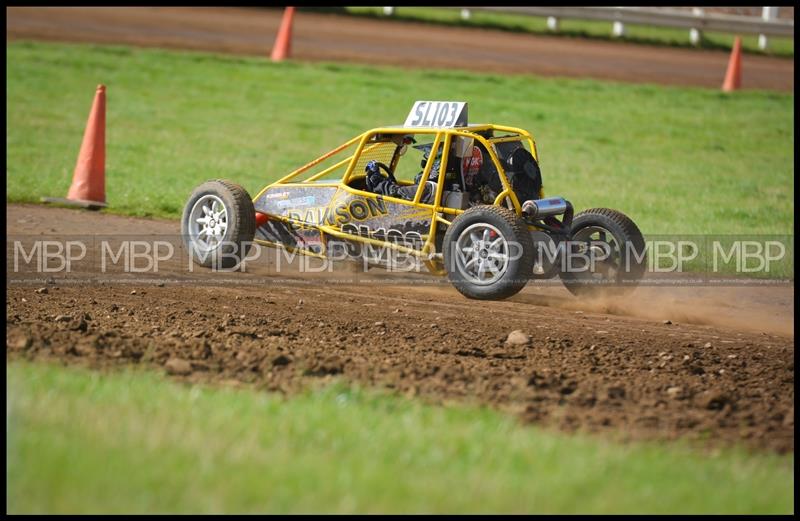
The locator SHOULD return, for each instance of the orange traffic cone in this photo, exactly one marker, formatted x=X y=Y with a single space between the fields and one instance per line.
x=88 y=188
x=283 y=43
x=733 y=78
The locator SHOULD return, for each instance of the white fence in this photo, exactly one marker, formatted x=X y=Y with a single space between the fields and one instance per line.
x=696 y=21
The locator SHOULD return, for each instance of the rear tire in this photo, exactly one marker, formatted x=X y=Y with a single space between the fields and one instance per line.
x=218 y=224
x=488 y=253
x=626 y=264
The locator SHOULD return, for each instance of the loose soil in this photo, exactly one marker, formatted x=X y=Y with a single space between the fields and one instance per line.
x=691 y=366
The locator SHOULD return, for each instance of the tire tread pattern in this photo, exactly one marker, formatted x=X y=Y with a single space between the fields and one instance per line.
x=242 y=220
x=521 y=235
x=631 y=233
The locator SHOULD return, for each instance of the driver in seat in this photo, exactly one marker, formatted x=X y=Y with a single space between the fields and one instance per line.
x=388 y=185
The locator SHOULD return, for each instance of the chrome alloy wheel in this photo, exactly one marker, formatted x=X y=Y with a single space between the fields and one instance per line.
x=482 y=254
x=208 y=222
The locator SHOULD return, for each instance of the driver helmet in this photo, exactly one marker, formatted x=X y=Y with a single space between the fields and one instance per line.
x=452 y=161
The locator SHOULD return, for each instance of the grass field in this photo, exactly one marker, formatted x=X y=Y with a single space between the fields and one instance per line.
x=645 y=34
x=677 y=160
x=86 y=442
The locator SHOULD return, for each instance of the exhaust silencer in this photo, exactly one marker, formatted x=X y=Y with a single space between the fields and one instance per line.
x=541 y=208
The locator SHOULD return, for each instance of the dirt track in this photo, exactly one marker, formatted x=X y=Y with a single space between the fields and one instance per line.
x=342 y=38
x=618 y=374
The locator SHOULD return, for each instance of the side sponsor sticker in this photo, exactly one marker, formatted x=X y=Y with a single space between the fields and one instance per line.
x=297 y=202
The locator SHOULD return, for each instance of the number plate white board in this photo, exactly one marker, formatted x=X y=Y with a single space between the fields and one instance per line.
x=437 y=114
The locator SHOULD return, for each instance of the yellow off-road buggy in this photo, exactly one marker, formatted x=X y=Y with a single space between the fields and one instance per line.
x=470 y=206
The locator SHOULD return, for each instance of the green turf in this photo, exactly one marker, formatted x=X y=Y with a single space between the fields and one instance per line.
x=642 y=34
x=677 y=160
x=89 y=442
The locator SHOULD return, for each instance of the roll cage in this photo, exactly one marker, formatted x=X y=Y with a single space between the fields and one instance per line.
x=481 y=133
x=445 y=136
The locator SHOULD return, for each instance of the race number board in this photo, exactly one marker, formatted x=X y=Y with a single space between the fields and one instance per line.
x=437 y=114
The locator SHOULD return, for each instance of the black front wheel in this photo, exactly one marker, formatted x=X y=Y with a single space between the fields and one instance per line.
x=606 y=254
x=488 y=253
x=218 y=224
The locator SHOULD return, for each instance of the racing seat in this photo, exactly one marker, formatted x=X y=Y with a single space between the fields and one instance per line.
x=523 y=173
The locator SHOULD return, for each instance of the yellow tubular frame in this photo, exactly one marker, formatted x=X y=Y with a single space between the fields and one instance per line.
x=437 y=211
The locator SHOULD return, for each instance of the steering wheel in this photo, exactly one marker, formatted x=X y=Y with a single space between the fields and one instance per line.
x=389 y=175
